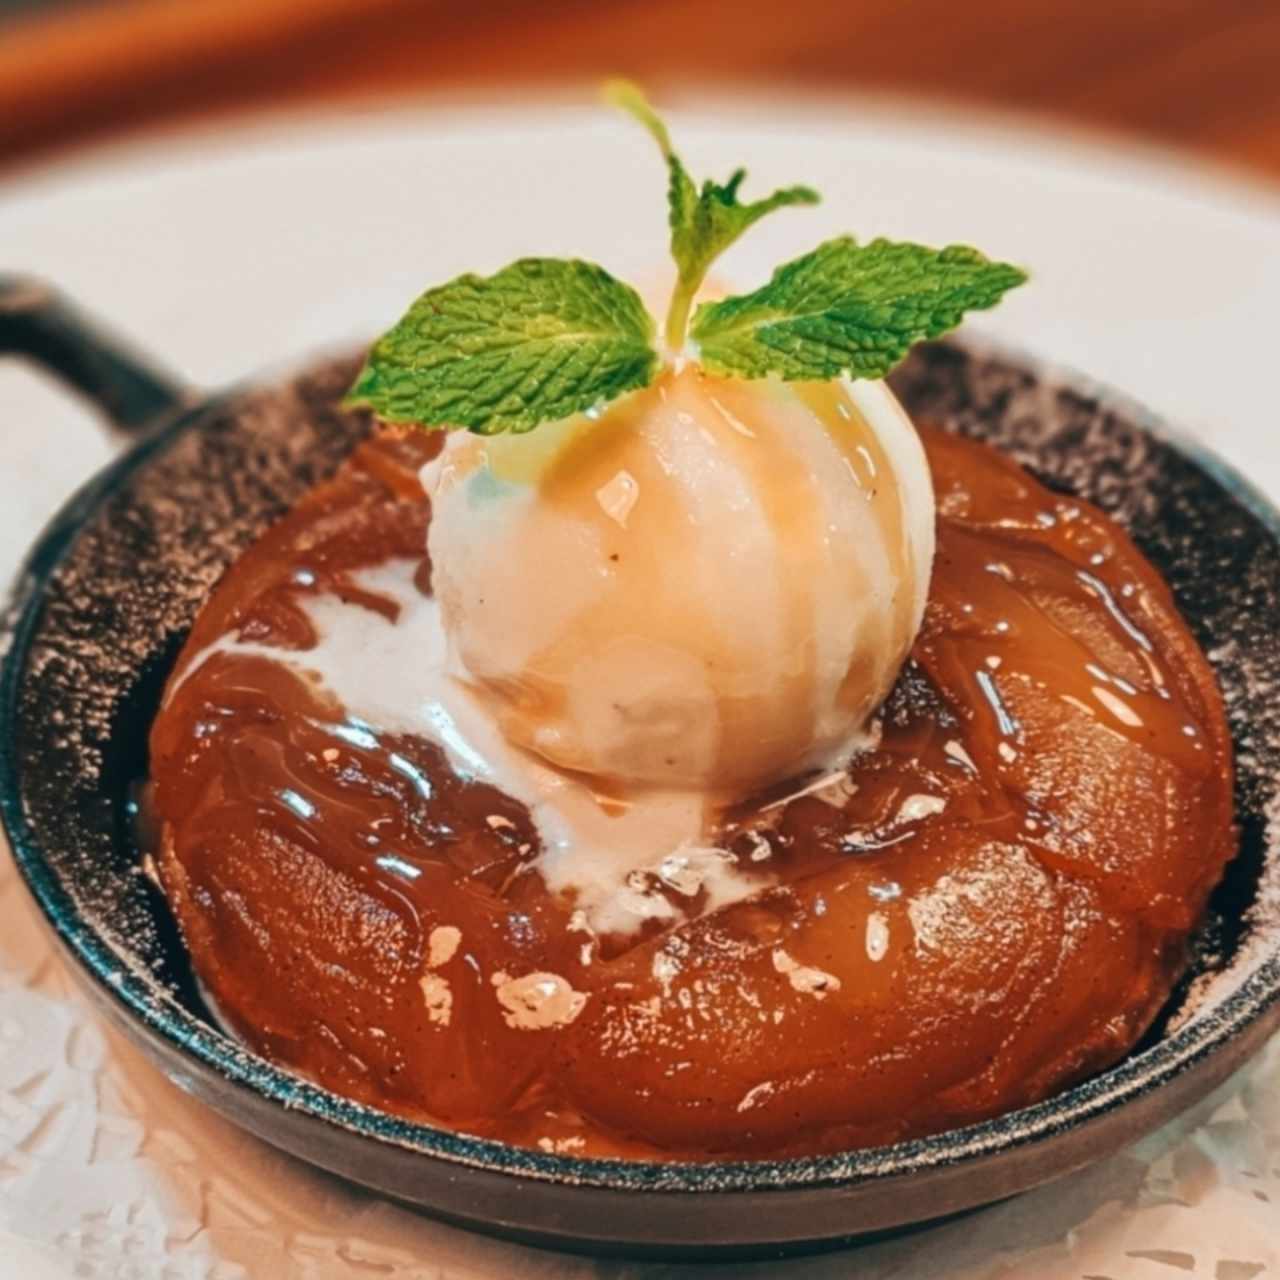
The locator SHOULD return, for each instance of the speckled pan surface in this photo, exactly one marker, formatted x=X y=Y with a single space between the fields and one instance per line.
x=106 y=600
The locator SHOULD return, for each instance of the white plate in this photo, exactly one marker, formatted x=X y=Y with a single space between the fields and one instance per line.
x=226 y=251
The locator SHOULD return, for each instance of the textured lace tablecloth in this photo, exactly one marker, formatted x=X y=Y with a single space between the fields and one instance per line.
x=109 y=1172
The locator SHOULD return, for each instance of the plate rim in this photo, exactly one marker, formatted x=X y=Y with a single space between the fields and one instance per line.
x=1027 y=137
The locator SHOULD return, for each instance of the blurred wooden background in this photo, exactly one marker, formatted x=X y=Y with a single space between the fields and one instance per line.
x=1201 y=73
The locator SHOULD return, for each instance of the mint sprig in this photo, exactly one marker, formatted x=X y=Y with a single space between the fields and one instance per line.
x=546 y=338
x=704 y=223
x=541 y=340
x=848 y=309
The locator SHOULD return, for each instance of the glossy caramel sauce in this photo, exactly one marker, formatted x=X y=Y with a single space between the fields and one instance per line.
x=990 y=905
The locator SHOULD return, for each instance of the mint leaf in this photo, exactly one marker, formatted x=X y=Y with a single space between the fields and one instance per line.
x=704 y=223
x=849 y=309
x=546 y=338
x=541 y=340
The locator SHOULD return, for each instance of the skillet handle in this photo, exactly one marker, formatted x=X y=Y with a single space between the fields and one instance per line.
x=38 y=323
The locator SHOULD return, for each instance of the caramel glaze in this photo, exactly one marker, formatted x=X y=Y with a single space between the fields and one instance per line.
x=909 y=965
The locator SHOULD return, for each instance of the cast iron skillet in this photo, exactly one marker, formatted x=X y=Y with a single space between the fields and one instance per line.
x=109 y=590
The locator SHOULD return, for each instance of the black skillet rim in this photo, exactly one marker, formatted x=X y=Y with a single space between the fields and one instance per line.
x=162 y=1016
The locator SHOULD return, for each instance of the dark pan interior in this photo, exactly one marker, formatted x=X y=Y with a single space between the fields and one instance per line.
x=127 y=564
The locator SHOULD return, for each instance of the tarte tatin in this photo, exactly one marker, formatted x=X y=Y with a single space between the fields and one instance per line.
x=941 y=860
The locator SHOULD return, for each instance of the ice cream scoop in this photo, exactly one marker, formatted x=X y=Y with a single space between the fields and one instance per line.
x=710 y=585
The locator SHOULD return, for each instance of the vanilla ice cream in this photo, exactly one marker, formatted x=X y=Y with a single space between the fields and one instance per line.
x=710 y=585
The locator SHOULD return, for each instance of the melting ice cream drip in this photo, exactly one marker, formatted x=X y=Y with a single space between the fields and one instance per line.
x=706 y=590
